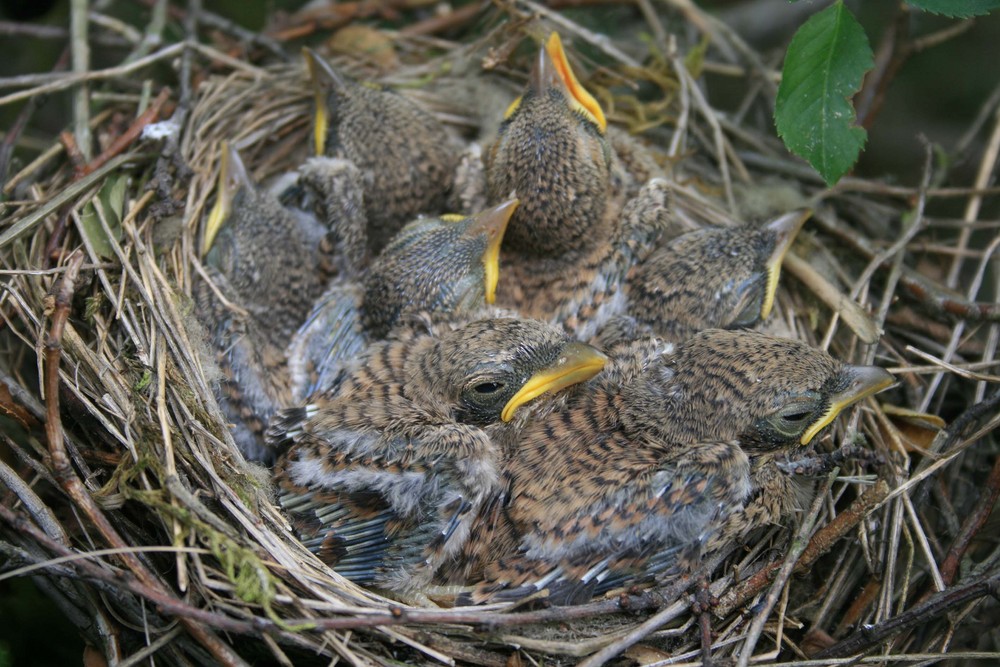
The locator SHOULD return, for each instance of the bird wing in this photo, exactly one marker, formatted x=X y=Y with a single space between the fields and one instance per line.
x=330 y=335
x=386 y=510
x=254 y=383
x=647 y=525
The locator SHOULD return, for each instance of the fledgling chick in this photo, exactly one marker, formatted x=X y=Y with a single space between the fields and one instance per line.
x=265 y=262
x=385 y=471
x=405 y=157
x=637 y=469
x=438 y=265
x=551 y=151
x=707 y=279
x=571 y=242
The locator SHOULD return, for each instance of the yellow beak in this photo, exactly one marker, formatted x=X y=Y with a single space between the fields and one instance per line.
x=864 y=381
x=492 y=223
x=578 y=363
x=232 y=176
x=553 y=69
x=323 y=79
x=786 y=227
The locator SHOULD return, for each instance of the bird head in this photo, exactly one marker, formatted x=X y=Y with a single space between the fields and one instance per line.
x=764 y=391
x=552 y=154
x=234 y=183
x=724 y=278
x=331 y=90
x=491 y=368
x=406 y=155
x=552 y=72
x=443 y=264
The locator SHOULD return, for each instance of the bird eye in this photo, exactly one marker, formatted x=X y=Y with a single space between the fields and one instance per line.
x=791 y=420
x=796 y=417
x=749 y=307
x=483 y=397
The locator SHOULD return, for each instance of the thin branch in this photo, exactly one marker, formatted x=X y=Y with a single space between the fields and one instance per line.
x=49 y=83
x=70 y=482
x=870 y=637
x=798 y=546
x=824 y=540
x=133 y=132
x=933 y=297
x=659 y=619
x=78 y=24
x=972 y=524
x=983 y=177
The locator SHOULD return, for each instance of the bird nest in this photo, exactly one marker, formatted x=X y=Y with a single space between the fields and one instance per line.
x=124 y=495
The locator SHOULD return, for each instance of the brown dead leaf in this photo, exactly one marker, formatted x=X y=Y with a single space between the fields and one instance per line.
x=815 y=641
x=646 y=655
x=917 y=430
x=365 y=42
x=92 y=657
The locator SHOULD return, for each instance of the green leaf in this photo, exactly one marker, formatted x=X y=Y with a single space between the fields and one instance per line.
x=956 y=8
x=694 y=61
x=824 y=67
x=109 y=203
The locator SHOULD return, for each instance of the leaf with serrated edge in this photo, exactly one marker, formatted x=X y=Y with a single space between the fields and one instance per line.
x=962 y=9
x=824 y=67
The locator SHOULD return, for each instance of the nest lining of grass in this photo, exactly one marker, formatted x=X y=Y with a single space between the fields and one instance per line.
x=124 y=495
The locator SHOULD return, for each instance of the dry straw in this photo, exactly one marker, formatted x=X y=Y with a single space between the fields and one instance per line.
x=124 y=496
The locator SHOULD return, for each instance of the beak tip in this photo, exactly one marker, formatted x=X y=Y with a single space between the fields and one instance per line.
x=864 y=382
x=544 y=75
x=578 y=362
x=787 y=226
x=871 y=379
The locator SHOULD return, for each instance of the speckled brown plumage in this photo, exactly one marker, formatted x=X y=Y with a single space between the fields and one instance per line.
x=553 y=155
x=711 y=278
x=640 y=284
x=633 y=472
x=585 y=293
x=438 y=265
x=573 y=240
x=406 y=157
x=265 y=261
x=385 y=471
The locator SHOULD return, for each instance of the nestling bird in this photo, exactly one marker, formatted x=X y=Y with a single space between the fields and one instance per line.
x=552 y=152
x=572 y=242
x=629 y=476
x=437 y=265
x=710 y=278
x=265 y=262
x=576 y=256
x=405 y=157
x=385 y=471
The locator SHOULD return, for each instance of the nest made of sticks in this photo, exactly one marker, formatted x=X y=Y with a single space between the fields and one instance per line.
x=124 y=495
